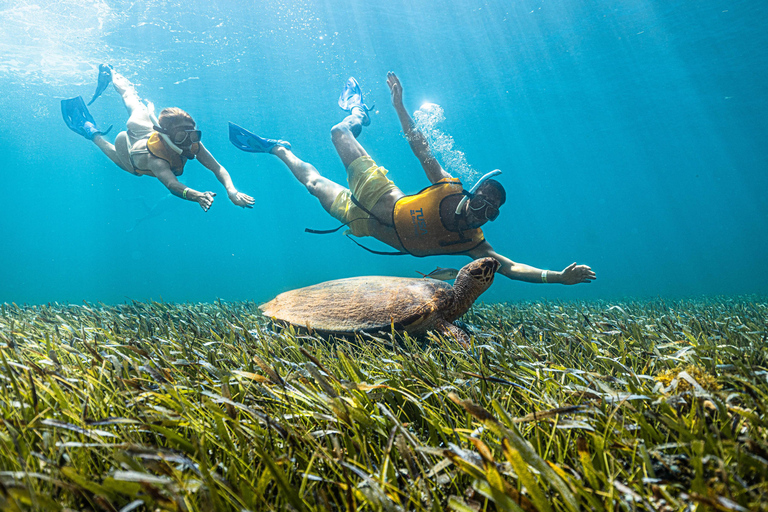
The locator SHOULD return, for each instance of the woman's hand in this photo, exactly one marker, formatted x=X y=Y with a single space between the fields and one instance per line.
x=241 y=199
x=205 y=200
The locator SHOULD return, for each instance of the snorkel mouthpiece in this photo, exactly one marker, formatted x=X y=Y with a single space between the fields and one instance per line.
x=474 y=188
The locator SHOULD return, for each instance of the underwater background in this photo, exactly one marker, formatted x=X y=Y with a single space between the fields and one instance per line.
x=632 y=137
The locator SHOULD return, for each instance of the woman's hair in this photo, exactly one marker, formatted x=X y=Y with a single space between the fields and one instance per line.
x=174 y=116
x=496 y=186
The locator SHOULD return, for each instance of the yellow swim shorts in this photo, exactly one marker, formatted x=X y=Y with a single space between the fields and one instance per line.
x=368 y=182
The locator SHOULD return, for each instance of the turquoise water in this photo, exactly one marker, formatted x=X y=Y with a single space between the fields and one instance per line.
x=631 y=136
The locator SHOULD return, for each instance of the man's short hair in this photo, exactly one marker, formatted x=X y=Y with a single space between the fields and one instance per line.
x=174 y=116
x=493 y=185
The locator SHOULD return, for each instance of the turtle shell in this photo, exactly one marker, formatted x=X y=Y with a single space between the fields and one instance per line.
x=368 y=303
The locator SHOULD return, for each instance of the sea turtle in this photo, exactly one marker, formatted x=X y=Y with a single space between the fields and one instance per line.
x=375 y=303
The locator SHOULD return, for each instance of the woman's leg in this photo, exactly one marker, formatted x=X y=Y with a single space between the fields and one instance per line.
x=138 y=123
x=127 y=91
x=109 y=150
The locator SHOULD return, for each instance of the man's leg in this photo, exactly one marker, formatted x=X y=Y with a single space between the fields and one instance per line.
x=319 y=186
x=344 y=136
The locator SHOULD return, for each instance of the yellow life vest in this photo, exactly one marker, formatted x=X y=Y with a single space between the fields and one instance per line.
x=421 y=230
x=157 y=147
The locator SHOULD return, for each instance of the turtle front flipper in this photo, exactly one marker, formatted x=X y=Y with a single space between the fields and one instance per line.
x=449 y=330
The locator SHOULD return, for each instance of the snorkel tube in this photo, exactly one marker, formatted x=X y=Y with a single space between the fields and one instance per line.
x=474 y=188
x=152 y=117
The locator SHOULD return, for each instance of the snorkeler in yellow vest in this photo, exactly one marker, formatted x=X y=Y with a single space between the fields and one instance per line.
x=152 y=146
x=441 y=219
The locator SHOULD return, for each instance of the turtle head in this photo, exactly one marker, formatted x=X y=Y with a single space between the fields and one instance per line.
x=482 y=271
x=473 y=279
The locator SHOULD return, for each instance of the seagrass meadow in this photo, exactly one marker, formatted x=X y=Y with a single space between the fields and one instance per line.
x=630 y=405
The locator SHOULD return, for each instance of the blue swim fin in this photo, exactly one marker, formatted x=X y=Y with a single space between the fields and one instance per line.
x=105 y=78
x=244 y=140
x=351 y=97
x=78 y=118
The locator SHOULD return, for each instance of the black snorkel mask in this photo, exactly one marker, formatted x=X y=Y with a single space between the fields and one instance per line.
x=477 y=203
x=480 y=202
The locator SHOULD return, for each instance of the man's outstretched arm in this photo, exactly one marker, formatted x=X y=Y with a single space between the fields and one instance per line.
x=572 y=274
x=416 y=139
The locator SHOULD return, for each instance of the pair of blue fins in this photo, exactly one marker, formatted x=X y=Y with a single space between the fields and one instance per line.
x=79 y=119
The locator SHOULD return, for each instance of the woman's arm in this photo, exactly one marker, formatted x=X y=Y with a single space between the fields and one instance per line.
x=206 y=158
x=162 y=171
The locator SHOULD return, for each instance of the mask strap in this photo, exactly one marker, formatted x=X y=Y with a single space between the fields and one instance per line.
x=474 y=188
x=152 y=117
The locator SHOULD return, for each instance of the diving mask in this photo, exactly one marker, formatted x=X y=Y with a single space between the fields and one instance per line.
x=471 y=192
x=186 y=137
x=181 y=136
x=477 y=203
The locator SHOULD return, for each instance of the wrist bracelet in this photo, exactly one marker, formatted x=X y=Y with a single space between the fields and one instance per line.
x=184 y=193
x=544 y=276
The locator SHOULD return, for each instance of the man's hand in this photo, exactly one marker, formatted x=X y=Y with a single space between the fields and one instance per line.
x=396 y=89
x=206 y=200
x=575 y=274
x=241 y=199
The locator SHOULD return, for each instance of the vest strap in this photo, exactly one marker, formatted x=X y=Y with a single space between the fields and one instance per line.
x=366 y=210
x=380 y=253
x=356 y=203
x=324 y=231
